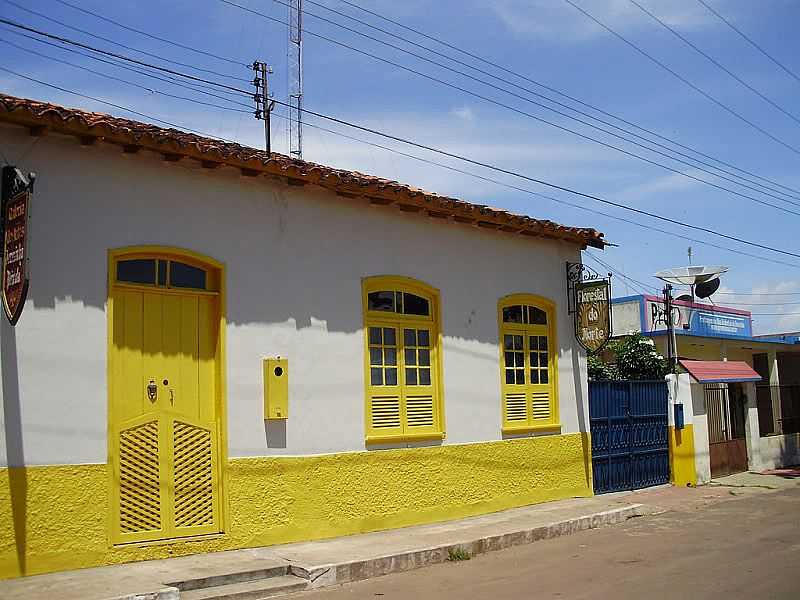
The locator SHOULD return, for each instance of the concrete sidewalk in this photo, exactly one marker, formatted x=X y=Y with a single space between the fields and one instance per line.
x=257 y=573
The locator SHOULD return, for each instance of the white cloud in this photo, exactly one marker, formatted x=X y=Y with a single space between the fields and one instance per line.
x=557 y=20
x=673 y=182
x=464 y=113
x=772 y=311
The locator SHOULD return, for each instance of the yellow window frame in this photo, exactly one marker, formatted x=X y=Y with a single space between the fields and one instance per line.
x=516 y=398
x=389 y=399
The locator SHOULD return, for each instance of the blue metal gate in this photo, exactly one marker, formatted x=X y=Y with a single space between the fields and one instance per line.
x=629 y=434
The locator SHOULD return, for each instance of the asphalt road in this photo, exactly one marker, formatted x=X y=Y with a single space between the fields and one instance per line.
x=744 y=548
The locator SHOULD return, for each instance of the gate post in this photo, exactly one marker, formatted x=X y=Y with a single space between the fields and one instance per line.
x=682 y=469
x=752 y=433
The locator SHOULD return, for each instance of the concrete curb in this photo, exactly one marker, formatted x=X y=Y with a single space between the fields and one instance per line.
x=345 y=572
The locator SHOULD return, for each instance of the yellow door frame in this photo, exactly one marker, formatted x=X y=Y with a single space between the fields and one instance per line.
x=190 y=256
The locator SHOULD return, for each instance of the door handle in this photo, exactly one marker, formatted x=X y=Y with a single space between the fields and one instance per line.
x=152 y=390
x=171 y=396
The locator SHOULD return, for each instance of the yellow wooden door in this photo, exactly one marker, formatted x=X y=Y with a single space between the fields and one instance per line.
x=164 y=426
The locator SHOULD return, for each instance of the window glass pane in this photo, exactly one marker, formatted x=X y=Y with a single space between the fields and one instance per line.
x=543 y=375
x=398 y=302
x=520 y=359
x=509 y=359
x=533 y=341
x=423 y=338
x=424 y=357
x=375 y=356
x=424 y=376
x=391 y=376
x=389 y=337
x=375 y=336
x=534 y=359
x=162 y=272
x=390 y=356
x=543 y=359
x=411 y=357
x=411 y=377
x=415 y=305
x=186 y=276
x=508 y=342
x=520 y=376
x=512 y=314
x=138 y=270
x=534 y=375
x=542 y=342
x=509 y=376
x=375 y=376
x=517 y=342
x=410 y=337
x=380 y=301
x=538 y=316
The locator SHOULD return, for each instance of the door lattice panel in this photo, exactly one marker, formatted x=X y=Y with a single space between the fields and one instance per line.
x=194 y=484
x=140 y=495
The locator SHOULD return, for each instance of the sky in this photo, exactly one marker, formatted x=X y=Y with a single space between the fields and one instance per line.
x=548 y=41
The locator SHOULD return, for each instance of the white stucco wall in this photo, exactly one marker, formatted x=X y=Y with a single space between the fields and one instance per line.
x=778 y=451
x=295 y=257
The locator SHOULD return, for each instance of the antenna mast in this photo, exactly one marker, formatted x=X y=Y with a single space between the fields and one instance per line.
x=295 y=73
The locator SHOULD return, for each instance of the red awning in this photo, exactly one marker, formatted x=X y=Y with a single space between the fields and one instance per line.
x=719 y=371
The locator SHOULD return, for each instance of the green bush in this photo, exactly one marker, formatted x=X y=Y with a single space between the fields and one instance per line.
x=637 y=358
x=634 y=357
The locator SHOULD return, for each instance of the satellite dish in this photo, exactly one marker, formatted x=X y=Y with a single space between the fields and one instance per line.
x=706 y=288
x=685 y=298
x=690 y=275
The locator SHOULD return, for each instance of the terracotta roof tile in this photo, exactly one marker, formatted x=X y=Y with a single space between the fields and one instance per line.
x=33 y=113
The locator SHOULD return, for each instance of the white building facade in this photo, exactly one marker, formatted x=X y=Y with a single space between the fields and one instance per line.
x=432 y=367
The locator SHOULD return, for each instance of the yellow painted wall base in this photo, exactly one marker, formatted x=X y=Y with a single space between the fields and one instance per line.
x=55 y=518
x=681 y=456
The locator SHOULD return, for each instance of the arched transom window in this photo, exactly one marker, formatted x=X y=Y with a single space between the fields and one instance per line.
x=528 y=363
x=403 y=398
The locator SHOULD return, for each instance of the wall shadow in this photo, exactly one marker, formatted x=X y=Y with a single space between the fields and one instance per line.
x=15 y=453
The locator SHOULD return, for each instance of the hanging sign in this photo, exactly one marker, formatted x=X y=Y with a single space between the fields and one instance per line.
x=16 y=197
x=592 y=314
x=589 y=300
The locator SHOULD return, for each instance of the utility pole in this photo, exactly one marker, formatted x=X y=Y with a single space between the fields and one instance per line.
x=294 y=60
x=264 y=105
x=672 y=342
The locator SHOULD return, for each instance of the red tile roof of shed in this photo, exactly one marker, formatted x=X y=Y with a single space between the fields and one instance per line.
x=719 y=371
x=133 y=135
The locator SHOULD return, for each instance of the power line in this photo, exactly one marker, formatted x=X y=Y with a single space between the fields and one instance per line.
x=147 y=34
x=715 y=62
x=121 y=45
x=535 y=117
x=749 y=40
x=757 y=294
x=683 y=79
x=127 y=82
x=123 y=57
x=500 y=67
x=552 y=198
x=761 y=303
x=637 y=285
x=558 y=112
x=195 y=87
x=445 y=153
x=119 y=106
